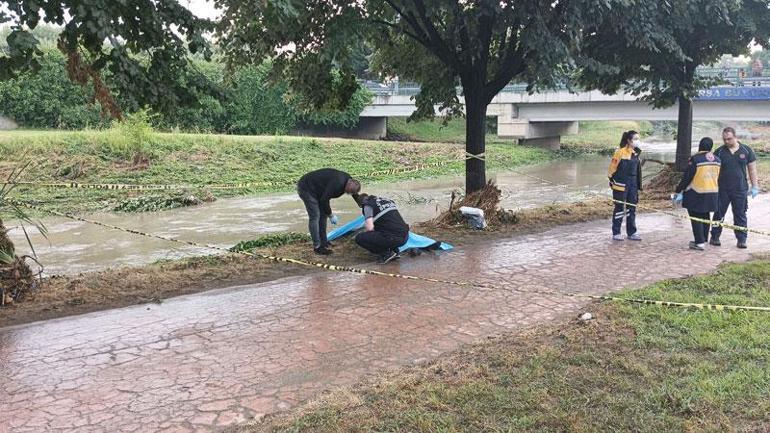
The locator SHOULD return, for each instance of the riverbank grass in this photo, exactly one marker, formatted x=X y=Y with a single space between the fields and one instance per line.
x=146 y=157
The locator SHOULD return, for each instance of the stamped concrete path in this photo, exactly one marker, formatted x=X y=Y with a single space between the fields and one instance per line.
x=198 y=362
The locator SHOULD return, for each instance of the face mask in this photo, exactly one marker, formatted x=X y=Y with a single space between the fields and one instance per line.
x=637 y=142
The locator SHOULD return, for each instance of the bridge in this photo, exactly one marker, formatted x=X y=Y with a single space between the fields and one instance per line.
x=541 y=119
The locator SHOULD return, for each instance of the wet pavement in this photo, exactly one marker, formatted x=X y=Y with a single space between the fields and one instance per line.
x=198 y=362
x=74 y=247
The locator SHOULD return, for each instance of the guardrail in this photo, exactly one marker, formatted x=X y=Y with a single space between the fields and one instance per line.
x=731 y=76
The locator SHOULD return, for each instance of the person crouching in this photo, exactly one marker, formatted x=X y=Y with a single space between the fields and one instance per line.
x=699 y=191
x=384 y=228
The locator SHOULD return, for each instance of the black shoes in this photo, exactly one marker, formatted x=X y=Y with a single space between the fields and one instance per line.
x=742 y=245
x=322 y=251
x=388 y=257
x=715 y=242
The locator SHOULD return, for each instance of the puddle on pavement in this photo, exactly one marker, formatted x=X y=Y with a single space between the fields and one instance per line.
x=74 y=247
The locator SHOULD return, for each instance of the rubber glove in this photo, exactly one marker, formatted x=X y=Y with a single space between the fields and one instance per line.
x=754 y=191
x=334 y=219
x=678 y=197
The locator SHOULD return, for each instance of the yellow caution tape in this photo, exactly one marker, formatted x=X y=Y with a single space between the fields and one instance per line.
x=337 y=268
x=675 y=215
x=140 y=187
x=716 y=307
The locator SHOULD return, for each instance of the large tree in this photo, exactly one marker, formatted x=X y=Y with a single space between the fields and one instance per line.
x=482 y=45
x=653 y=49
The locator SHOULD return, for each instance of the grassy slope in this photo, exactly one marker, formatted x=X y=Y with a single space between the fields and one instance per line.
x=202 y=159
x=635 y=368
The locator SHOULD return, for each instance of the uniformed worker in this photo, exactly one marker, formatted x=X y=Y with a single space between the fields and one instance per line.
x=316 y=189
x=625 y=175
x=699 y=191
x=384 y=228
x=738 y=161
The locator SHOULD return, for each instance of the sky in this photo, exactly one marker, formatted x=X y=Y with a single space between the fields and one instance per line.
x=201 y=8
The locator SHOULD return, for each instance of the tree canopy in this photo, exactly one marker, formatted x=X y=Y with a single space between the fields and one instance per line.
x=481 y=45
x=652 y=50
x=143 y=44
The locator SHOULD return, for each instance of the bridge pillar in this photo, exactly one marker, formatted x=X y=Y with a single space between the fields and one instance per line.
x=540 y=134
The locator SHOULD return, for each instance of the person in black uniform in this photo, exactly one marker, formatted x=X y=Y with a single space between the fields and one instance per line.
x=699 y=191
x=384 y=228
x=738 y=160
x=625 y=173
x=316 y=189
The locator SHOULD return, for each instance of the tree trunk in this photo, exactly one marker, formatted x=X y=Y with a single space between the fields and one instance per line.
x=475 y=142
x=684 y=134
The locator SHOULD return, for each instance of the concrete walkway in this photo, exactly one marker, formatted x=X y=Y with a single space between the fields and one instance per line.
x=198 y=362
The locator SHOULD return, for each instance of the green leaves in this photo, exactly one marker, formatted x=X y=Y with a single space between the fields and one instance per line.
x=652 y=48
x=144 y=44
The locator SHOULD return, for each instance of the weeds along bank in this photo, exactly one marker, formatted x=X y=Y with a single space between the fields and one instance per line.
x=135 y=154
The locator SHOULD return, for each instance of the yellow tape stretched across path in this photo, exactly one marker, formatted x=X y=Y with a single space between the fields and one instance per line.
x=222 y=186
x=336 y=268
x=672 y=214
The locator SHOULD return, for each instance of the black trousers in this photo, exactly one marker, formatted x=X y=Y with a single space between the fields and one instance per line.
x=316 y=220
x=630 y=195
x=379 y=242
x=700 y=231
x=738 y=200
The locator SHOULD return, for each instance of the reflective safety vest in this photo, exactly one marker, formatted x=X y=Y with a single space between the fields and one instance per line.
x=385 y=215
x=700 y=183
x=625 y=169
x=706 y=176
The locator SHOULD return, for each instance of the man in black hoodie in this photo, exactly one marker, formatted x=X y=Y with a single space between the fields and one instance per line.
x=316 y=189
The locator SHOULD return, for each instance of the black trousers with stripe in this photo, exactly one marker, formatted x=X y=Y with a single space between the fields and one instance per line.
x=630 y=195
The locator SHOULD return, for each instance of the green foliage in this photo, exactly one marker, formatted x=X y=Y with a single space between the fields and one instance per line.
x=142 y=44
x=271 y=240
x=653 y=48
x=256 y=106
x=132 y=137
x=347 y=118
x=48 y=99
x=250 y=103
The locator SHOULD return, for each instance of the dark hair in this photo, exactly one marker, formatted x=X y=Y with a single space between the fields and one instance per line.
x=706 y=144
x=627 y=136
x=729 y=129
x=359 y=198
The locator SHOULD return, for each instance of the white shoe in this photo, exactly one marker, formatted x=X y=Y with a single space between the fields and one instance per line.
x=634 y=237
x=617 y=237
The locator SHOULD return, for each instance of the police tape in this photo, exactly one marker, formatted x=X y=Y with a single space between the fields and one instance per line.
x=222 y=186
x=696 y=219
x=675 y=215
x=363 y=271
x=142 y=187
x=715 y=307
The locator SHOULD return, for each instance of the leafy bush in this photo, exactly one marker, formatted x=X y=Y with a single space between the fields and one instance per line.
x=272 y=240
x=132 y=138
x=48 y=99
